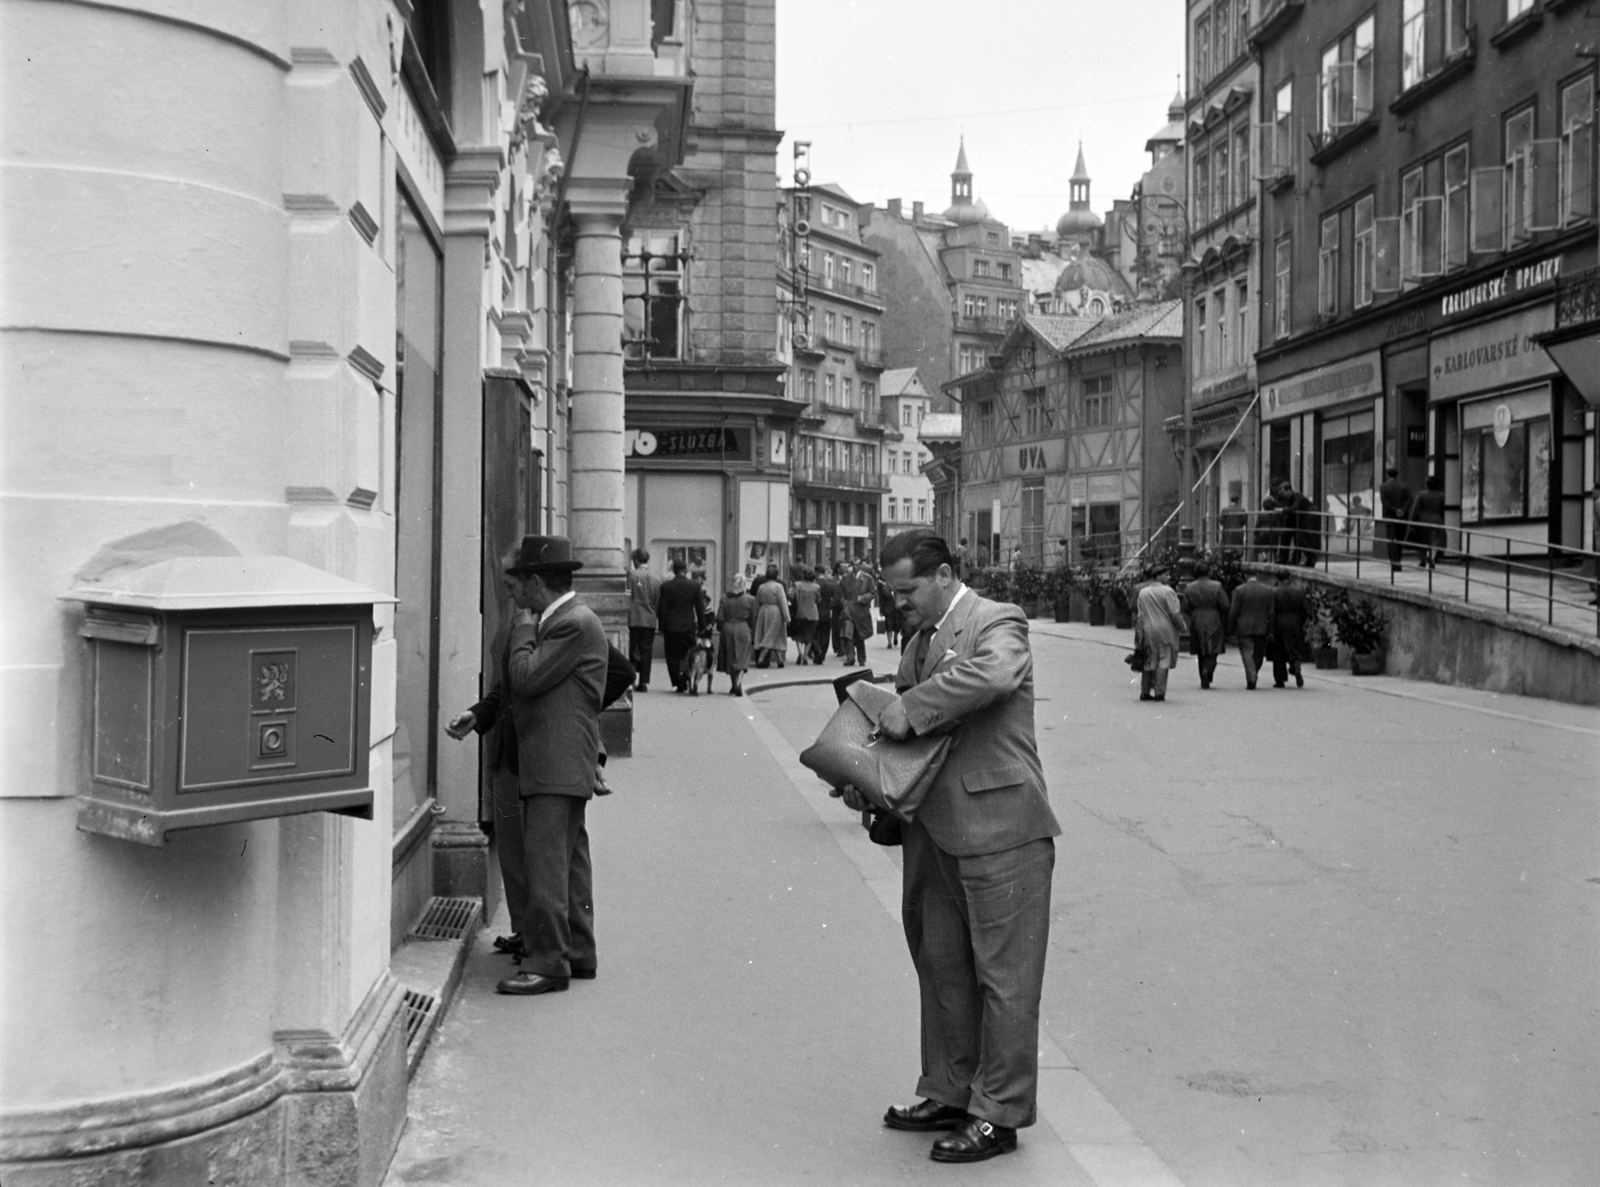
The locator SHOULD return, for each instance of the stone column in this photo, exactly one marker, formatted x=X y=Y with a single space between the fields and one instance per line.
x=595 y=518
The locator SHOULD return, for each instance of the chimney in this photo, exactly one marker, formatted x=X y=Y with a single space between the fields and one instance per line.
x=916 y=212
x=894 y=208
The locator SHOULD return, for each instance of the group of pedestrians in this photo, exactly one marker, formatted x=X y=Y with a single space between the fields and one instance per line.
x=1412 y=521
x=1267 y=621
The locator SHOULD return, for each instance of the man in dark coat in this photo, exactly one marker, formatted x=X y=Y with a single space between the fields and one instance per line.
x=1206 y=604
x=1394 y=496
x=1300 y=534
x=1427 y=511
x=859 y=590
x=1291 y=610
x=837 y=620
x=680 y=609
x=827 y=614
x=978 y=855
x=1250 y=621
x=556 y=679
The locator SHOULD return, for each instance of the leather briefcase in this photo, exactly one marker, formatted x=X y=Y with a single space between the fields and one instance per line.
x=893 y=776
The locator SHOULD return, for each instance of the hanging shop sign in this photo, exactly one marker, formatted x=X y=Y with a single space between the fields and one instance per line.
x=717 y=441
x=1322 y=387
x=1493 y=354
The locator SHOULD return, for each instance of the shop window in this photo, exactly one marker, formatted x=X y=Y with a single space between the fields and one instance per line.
x=1505 y=458
x=1577 y=151
x=653 y=296
x=1347 y=472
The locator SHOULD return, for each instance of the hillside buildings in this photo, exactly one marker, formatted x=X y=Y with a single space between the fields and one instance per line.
x=906 y=405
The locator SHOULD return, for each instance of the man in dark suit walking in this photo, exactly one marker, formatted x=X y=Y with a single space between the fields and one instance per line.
x=679 y=609
x=978 y=855
x=1394 y=496
x=1250 y=618
x=554 y=679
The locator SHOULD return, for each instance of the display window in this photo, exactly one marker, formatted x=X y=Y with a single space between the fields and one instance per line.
x=1348 y=472
x=1505 y=457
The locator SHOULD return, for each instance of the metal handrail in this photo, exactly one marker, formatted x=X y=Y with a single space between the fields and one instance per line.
x=1320 y=538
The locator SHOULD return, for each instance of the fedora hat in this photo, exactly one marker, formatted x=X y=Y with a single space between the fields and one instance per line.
x=544 y=554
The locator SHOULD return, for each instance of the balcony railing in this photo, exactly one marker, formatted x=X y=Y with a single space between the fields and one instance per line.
x=855 y=479
x=844 y=288
x=983 y=324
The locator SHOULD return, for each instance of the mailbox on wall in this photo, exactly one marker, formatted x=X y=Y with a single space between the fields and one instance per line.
x=222 y=689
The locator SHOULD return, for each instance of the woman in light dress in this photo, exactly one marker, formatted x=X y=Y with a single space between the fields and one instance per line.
x=736 y=617
x=772 y=621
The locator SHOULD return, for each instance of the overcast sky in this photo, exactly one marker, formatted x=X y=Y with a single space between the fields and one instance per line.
x=883 y=89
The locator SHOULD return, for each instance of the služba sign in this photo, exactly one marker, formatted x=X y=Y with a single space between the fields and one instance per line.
x=688 y=442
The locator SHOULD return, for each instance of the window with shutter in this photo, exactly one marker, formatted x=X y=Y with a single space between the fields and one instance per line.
x=1328 y=267
x=1386 y=254
x=1280 y=293
x=1488 y=210
x=1456 y=217
x=1577 y=152
x=1519 y=142
x=1364 y=262
x=1544 y=185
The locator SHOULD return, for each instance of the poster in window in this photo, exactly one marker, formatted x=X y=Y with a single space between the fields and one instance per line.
x=1504 y=473
x=692 y=555
x=1469 y=476
x=1538 y=469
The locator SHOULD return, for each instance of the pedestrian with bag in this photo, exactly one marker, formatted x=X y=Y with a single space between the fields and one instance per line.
x=978 y=855
x=1157 y=627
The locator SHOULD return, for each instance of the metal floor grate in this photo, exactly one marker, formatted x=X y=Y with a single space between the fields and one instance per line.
x=446 y=919
x=420 y=1009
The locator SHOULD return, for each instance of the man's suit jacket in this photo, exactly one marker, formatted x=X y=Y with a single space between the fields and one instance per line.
x=680 y=606
x=490 y=719
x=556 y=674
x=1251 y=610
x=976 y=683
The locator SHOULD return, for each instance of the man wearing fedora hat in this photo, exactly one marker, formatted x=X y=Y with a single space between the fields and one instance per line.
x=553 y=680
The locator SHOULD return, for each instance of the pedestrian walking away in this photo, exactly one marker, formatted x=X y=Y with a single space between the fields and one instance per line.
x=975 y=892
x=1394 y=496
x=555 y=681
x=828 y=611
x=772 y=621
x=736 y=623
x=1250 y=617
x=1291 y=610
x=859 y=590
x=1427 y=515
x=644 y=587
x=1206 y=604
x=680 y=609
x=1157 y=627
x=807 y=611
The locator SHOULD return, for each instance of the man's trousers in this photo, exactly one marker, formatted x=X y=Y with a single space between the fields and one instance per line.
x=1253 y=651
x=978 y=929
x=507 y=800
x=558 y=915
x=641 y=651
x=676 y=645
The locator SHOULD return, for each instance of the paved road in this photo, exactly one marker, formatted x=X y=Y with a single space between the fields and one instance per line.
x=1339 y=935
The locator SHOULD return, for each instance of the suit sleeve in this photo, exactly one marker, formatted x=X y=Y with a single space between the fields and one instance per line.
x=538 y=665
x=487 y=711
x=995 y=668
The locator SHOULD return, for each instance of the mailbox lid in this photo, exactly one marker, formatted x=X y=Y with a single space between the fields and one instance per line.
x=223 y=583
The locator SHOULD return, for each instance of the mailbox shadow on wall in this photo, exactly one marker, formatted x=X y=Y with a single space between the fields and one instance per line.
x=223 y=689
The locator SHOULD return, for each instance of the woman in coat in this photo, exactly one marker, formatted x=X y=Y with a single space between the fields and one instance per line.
x=807 y=609
x=772 y=621
x=1206 y=603
x=736 y=620
x=1157 y=624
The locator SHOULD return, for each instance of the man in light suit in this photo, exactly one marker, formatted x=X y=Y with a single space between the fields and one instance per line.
x=978 y=856
x=1250 y=621
x=557 y=676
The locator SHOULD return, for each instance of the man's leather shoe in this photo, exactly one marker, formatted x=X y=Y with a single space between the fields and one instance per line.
x=925 y=1115
x=525 y=983
x=973 y=1142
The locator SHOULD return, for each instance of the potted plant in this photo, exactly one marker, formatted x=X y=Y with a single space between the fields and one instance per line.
x=1028 y=589
x=1092 y=583
x=1319 y=631
x=1361 y=627
x=1120 y=593
x=1058 y=592
x=996 y=585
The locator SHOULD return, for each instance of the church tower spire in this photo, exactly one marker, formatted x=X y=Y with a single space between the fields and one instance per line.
x=961 y=178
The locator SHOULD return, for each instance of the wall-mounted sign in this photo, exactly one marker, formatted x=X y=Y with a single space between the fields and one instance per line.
x=852 y=529
x=1510 y=283
x=1036 y=457
x=1321 y=387
x=688 y=442
x=1494 y=354
x=1416 y=441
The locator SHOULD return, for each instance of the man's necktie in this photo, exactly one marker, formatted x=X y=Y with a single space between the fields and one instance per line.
x=920 y=651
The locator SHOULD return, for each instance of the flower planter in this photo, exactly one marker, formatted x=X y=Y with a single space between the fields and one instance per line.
x=1063 y=610
x=1366 y=664
x=1030 y=607
x=1097 y=614
x=1123 y=618
x=1077 y=608
x=1327 y=657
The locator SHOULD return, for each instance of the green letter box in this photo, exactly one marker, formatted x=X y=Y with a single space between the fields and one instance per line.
x=224 y=689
